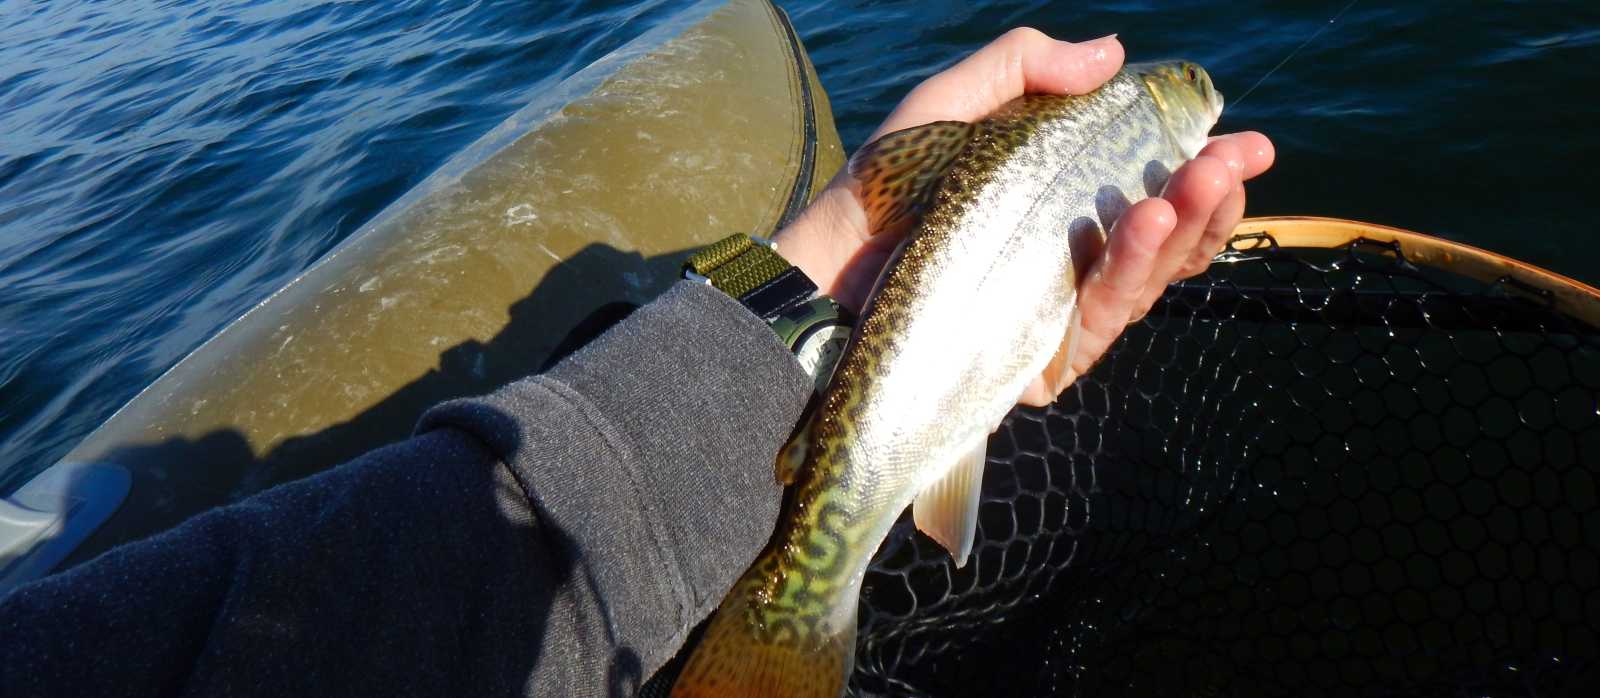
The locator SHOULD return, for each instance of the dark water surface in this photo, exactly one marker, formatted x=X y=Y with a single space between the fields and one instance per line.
x=164 y=167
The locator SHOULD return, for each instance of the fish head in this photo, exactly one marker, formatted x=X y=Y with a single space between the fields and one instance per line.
x=1186 y=98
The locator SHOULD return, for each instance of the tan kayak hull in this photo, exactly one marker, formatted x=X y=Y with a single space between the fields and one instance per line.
x=588 y=198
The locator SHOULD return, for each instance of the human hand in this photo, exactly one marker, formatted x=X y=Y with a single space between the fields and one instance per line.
x=1155 y=242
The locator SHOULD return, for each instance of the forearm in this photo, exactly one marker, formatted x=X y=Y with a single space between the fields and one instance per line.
x=558 y=536
x=648 y=457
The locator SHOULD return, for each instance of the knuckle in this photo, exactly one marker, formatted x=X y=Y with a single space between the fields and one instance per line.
x=1023 y=35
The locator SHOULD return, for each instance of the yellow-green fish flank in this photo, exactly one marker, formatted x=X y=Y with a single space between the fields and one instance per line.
x=972 y=306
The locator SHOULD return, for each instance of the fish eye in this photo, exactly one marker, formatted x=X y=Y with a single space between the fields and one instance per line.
x=1190 y=73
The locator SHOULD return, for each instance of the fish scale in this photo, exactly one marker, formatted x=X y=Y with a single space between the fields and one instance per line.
x=973 y=304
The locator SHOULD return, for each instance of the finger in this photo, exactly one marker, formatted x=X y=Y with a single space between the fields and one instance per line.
x=1133 y=246
x=1195 y=190
x=1247 y=154
x=1107 y=293
x=1256 y=152
x=1227 y=150
x=1218 y=230
x=1020 y=61
x=1037 y=394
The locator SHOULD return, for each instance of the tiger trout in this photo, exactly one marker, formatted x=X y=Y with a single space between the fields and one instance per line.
x=974 y=303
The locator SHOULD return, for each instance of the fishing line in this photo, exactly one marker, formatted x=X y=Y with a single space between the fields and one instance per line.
x=1296 y=51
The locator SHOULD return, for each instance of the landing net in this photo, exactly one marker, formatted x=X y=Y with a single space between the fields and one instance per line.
x=1368 y=468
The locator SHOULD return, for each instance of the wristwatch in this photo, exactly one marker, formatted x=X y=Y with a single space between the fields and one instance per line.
x=749 y=269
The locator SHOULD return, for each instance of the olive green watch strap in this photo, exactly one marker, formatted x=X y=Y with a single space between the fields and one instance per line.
x=737 y=264
x=752 y=272
x=748 y=269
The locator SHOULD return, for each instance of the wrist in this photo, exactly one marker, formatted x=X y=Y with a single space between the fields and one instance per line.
x=780 y=293
x=822 y=240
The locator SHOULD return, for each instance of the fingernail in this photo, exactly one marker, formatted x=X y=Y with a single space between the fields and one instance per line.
x=1100 y=45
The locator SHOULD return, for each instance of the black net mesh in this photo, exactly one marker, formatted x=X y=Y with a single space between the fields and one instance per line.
x=1306 y=472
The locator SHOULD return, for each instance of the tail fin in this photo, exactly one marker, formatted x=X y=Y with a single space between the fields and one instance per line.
x=739 y=658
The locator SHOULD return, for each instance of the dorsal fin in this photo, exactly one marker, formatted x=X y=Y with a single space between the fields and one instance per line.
x=898 y=172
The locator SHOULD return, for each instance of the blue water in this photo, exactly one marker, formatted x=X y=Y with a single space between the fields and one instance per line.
x=165 y=166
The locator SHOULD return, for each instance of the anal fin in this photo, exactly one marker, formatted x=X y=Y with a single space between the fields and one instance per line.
x=947 y=511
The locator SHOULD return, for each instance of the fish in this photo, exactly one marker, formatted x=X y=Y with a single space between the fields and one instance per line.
x=973 y=304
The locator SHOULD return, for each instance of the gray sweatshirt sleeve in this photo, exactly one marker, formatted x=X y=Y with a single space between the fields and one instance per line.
x=557 y=537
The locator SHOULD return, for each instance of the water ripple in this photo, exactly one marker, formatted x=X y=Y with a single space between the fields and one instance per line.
x=165 y=166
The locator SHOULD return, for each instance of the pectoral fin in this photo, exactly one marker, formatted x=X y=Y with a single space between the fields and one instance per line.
x=1074 y=333
x=793 y=455
x=1060 y=365
x=898 y=172
x=947 y=511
